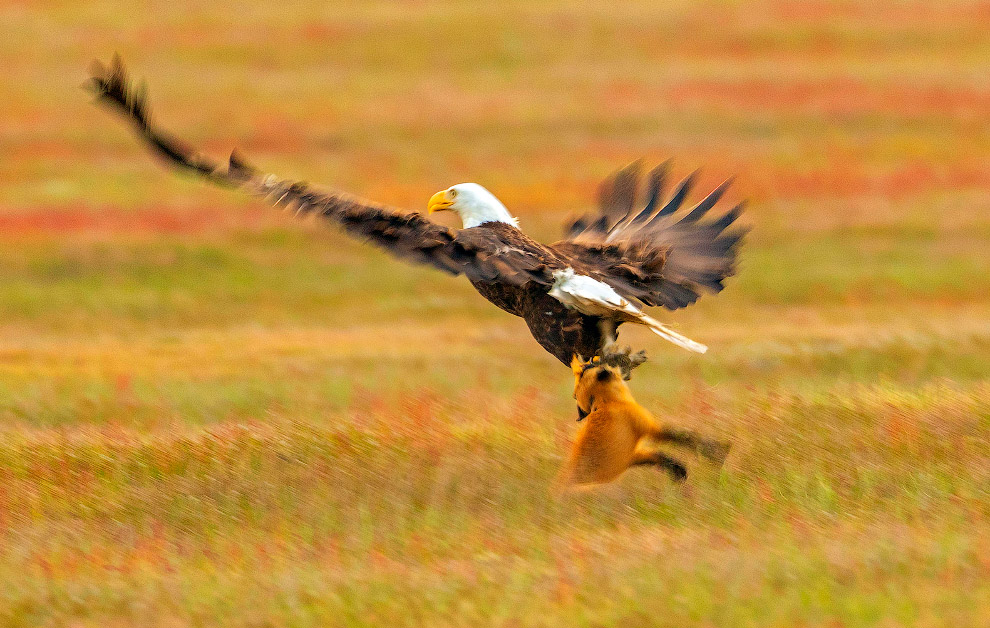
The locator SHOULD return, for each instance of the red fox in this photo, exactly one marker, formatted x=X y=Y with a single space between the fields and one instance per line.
x=617 y=433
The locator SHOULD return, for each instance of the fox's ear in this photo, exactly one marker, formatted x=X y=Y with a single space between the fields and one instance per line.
x=577 y=364
x=605 y=374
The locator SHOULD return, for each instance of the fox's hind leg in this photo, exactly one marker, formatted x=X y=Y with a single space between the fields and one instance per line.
x=714 y=450
x=657 y=458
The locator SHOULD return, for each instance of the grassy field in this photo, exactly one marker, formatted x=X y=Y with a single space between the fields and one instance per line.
x=214 y=414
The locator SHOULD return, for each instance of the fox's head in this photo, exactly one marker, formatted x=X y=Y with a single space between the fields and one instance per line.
x=595 y=380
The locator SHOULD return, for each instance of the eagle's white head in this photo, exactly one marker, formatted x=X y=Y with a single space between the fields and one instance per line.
x=473 y=203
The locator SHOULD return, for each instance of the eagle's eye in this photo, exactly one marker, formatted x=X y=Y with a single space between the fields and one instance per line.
x=453 y=193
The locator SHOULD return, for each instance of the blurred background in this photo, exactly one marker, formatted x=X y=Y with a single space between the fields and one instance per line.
x=204 y=400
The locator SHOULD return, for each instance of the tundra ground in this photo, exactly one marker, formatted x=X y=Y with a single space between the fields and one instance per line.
x=214 y=414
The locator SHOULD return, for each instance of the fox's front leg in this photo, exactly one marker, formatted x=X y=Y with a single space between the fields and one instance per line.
x=714 y=450
x=677 y=471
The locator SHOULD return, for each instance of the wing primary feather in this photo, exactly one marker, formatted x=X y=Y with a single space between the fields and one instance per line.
x=577 y=227
x=408 y=235
x=599 y=226
x=707 y=203
x=680 y=193
x=617 y=195
x=730 y=217
x=664 y=257
x=624 y=192
x=606 y=189
x=654 y=191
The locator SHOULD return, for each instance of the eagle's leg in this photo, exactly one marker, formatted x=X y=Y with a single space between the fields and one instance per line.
x=607 y=328
x=622 y=358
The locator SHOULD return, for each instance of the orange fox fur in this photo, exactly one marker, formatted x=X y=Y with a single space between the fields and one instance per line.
x=617 y=433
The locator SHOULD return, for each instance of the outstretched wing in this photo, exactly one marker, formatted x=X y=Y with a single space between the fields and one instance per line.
x=409 y=235
x=654 y=253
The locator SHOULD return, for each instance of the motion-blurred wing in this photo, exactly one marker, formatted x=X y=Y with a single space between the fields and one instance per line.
x=655 y=253
x=406 y=234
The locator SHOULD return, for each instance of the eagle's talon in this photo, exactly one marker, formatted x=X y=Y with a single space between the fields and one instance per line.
x=623 y=359
x=637 y=358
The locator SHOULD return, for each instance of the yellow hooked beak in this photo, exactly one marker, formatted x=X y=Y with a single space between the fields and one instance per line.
x=439 y=202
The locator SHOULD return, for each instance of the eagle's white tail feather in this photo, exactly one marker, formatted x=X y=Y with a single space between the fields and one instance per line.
x=670 y=335
x=596 y=298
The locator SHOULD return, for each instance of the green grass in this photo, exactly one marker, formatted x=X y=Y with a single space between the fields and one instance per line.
x=214 y=414
x=442 y=514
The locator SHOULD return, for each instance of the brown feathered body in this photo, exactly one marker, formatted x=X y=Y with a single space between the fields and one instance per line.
x=650 y=253
x=560 y=330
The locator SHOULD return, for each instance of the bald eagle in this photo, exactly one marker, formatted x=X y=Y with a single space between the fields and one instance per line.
x=573 y=294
